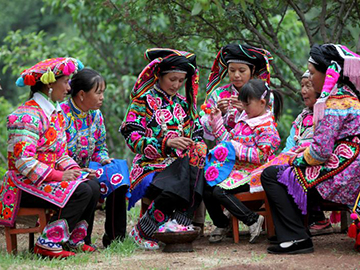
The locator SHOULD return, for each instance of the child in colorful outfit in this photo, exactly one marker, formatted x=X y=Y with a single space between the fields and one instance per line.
x=242 y=63
x=253 y=139
x=86 y=140
x=41 y=173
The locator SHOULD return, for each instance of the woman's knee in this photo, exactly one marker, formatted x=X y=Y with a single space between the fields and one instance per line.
x=269 y=175
x=218 y=193
x=94 y=187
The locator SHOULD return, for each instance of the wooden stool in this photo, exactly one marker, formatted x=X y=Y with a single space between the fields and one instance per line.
x=253 y=197
x=43 y=216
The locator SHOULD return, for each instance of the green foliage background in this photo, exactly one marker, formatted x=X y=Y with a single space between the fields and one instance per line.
x=111 y=37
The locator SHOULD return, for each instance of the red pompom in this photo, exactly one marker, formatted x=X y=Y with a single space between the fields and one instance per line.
x=352 y=231
x=203 y=107
x=29 y=80
x=208 y=111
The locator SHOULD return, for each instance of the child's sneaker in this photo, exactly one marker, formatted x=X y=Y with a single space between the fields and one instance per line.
x=142 y=242
x=256 y=229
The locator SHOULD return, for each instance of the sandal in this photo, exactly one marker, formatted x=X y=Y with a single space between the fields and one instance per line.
x=218 y=234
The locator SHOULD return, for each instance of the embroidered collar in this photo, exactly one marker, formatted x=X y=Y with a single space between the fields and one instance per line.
x=234 y=90
x=77 y=111
x=166 y=96
x=256 y=121
x=46 y=105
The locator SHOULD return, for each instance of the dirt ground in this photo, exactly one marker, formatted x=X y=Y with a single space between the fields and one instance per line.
x=334 y=251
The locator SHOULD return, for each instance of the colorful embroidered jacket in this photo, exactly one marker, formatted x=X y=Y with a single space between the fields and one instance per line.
x=254 y=140
x=36 y=147
x=229 y=118
x=86 y=134
x=301 y=135
x=341 y=120
x=301 y=132
x=144 y=136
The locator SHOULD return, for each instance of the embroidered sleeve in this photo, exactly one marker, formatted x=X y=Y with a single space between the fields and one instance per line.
x=327 y=131
x=290 y=141
x=101 y=151
x=63 y=160
x=267 y=141
x=134 y=130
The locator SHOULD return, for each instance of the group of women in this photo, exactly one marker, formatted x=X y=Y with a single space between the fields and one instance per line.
x=58 y=157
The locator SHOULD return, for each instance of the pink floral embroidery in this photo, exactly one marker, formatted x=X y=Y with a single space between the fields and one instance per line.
x=40 y=125
x=78 y=124
x=151 y=152
x=30 y=150
x=166 y=113
x=308 y=121
x=356 y=140
x=159 y=216
x=153 y=103
x=58 y=193
x=136 y=158
x=99 y=172
x=159 y=166
x=135 y=136
x=83 y=153
x=179 y=111
x=221 y=153
x=78 y=234
x=9 y=197
x=171 y=134
x=143 y=122
x=136 y=172
x=116 y=179
x=312 y=172
x=103 y=188
x=55 y=234
x=65 y=108
x=236 y=175
x=97 y=134
x=333 y=162
x=83 y=141
x=246 y=130
x=148 y=132
x=225 y=94
x=26 y=119
x=211 y=173
x=12 y=119
x=131 y=117
x=344 y=150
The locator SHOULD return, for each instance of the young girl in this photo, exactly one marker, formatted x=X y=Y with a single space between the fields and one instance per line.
x=253 y=139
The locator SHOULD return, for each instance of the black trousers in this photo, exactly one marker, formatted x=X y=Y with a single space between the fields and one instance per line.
x=288 y=220
x=115 y=208
x=81 y=206
x=215 y=197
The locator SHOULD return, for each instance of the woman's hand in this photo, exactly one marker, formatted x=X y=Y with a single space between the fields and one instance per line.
x=300 y=150
x=236 y=103
x=92 y=173
x=107 y=161
x=215 y=113
x=181 y=143
x=70 y=175
x=223 y=105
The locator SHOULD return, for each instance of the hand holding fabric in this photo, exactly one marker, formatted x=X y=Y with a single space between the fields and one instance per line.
x=181 y=143
x=71 y=175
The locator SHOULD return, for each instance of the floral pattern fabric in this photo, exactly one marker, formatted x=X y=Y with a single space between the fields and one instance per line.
x=85 y=134
x=36 y=147
x=301 y=135
x=254 y=140
x=145 y=137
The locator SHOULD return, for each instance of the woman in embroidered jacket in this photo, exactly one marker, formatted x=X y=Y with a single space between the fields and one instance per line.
x=41 y=174
x=162 y=127
x=86 y=140
x=329 y=167
x=242 y=63
x=254 y=139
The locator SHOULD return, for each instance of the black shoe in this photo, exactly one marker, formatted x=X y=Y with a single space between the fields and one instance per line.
x=106 y=241
x=273 y=240
x=296 y=248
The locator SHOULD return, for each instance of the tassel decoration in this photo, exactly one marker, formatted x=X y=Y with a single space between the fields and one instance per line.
x=357 y=243
x=335 y=217
x=352 y=231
